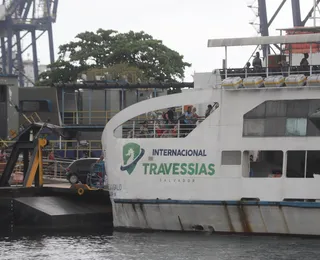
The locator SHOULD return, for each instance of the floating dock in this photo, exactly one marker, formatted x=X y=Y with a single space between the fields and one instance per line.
x=35 y=205
x=49 y=208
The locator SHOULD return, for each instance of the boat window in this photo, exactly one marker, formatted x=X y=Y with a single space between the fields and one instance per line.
x=262 y=164
x=3 y=93
x=35 y=106
x=296 y=126
x=166 y=123
x=296 y=164
x=231 y=158
x=313 y=163
x=303 y=164
x=291 y=118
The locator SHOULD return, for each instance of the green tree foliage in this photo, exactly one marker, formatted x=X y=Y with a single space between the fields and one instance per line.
x=117 y=53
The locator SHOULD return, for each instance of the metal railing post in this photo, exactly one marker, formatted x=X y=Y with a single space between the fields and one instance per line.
x=178 y=129
x=154 y=128
x=55 y=169
x=133 y=128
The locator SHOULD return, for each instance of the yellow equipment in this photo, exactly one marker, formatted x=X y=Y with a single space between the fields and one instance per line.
x=35 y=170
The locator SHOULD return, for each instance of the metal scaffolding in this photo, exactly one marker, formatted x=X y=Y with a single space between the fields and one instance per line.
x=21 y=18
x=260 y=9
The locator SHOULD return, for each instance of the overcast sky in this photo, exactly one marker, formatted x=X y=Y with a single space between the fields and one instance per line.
x=183 y=25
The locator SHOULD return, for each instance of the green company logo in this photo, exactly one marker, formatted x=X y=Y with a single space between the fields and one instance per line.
x=131 y=154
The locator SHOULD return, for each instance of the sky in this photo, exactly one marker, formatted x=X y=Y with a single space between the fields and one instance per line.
x=183 y=25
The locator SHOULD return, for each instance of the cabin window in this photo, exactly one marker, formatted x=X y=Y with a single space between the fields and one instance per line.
x=253 y=127
x=303 y=164
x=3 y=93
x=35 y=106
x=262 y=164
x=296 y=127
x=296 y=164
x=313 y=163
x=231 y=158
x=292 y=118
x=30 y=106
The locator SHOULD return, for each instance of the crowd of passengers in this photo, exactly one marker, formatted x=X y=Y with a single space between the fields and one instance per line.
x=169 y=124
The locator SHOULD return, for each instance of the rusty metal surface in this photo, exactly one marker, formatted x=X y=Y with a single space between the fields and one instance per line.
x=240 y=218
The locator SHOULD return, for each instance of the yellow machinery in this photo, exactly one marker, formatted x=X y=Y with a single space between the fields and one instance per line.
x=36 y=165
x=28 y=142
x=81 y=188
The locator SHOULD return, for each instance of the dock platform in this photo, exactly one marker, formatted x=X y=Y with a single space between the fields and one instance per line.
x=53 y=208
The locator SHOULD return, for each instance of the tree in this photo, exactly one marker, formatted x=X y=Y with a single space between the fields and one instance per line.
x=60 y=71
x=106 y=49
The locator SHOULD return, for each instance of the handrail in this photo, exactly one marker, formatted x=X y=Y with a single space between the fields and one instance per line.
x=71 y=148
x=95 y=116
x=269 y=71
x=157 y=129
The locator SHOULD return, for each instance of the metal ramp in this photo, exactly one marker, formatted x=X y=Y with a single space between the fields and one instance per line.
x=54 y=209
x=60 y=206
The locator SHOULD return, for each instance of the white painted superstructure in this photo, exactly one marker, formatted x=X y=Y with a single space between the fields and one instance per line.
x=222 y=176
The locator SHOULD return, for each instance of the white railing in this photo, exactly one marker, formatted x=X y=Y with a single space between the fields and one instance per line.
x=270 y=71
x=158 y=128
x=55 y=168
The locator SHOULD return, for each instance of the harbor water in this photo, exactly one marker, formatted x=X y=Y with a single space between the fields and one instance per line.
x=157 y=246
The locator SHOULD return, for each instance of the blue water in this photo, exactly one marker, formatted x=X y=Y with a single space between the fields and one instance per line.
x=157 y=246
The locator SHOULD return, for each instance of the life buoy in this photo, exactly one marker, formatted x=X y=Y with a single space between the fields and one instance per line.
x=80 y=191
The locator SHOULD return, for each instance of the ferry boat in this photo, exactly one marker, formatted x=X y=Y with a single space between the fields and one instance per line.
x=251 y=166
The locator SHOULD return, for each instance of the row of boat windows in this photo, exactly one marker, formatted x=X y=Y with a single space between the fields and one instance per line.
x=263 y=164
x=35 y=106
x=284 y=108
x=283 y=118
x=280 y=127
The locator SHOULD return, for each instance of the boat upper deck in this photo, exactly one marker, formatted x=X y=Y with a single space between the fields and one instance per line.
x=278 y=63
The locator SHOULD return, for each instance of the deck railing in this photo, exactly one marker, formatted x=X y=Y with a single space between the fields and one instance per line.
x=96 y=117
x=74 y=149
x=269 y=71
x=158 y=128
x=69 y=149
x=56 y=169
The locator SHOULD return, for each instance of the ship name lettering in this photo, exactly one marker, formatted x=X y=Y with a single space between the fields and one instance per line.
x=179 y=169
x=179 y=152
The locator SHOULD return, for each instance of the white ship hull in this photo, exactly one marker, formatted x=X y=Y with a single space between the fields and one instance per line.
x=291 y=218
x=189 y=184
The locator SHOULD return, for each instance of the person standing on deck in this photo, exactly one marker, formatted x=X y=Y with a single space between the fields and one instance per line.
x=257 y=63
x=304 y=64
x=169 y=117
x=188 y=120
x=208 y=111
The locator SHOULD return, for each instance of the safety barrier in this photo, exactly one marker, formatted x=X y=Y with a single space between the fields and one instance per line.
x=51 y=170
x=69 y=149
x=55 y=168
x=265 y=72
x=98 y=117
x=88 y=117
x=158 y=129
x=74 y=149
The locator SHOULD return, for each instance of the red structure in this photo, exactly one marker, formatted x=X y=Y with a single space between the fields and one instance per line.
x=303 y=47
